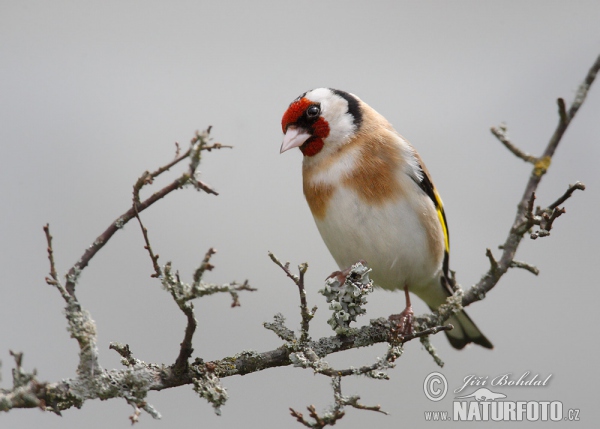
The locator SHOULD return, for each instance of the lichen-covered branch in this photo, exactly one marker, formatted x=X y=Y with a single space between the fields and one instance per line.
x=199 y=143
x=137 y=378
x=521 y=224
x=132 y=383
x=330 y=416
x=526 y=218
x=305 y=313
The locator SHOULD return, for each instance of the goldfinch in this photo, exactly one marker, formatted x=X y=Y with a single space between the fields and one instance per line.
x=372 y=199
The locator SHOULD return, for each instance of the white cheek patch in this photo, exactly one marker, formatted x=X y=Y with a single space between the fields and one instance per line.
x=335 y=111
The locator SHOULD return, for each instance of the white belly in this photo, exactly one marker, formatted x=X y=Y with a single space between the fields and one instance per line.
x=389 y=237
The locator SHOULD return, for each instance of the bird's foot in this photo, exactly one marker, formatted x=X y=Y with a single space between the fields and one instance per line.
x=402 y=324
x=340 y=276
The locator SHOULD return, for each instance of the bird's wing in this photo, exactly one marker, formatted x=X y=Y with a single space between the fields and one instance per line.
x=427 y=186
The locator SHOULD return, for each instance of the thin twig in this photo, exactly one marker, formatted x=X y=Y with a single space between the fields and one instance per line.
x=550 y=218
x=198 y=144
x=562 y=110
x=235 y=297
x=148 y=247
x=285 y=268
x=53 y=273
x=516 y=233
x=501 y=134
x=493 y=262
x=205 y=265
x=572 y=188
x=53 y=280
x=148 y=177
x=525 y=266
x=201 y=186
x=305 y=313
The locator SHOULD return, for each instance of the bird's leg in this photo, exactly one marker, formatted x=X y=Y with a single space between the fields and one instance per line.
x=402 y=324
x=341 y=275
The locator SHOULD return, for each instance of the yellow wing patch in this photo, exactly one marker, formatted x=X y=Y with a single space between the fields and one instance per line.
x=442 y=218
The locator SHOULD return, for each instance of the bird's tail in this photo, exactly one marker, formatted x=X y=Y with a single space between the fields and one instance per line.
x=465 y=331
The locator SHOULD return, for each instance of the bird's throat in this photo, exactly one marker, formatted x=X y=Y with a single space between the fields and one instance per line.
x=312 y=146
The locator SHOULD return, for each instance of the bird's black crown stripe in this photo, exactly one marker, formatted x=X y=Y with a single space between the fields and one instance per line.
x=353 y=106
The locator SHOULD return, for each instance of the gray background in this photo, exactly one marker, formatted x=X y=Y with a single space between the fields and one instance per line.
x=93 y=95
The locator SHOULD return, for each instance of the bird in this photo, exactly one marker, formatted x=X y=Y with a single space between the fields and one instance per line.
x=373 y=200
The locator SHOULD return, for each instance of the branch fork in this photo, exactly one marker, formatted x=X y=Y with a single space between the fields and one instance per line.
x=133 y=382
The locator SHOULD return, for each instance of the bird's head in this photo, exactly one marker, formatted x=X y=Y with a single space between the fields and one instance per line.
x=321 y=120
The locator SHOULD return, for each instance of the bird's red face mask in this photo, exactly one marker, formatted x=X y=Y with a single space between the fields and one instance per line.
x=304 y=127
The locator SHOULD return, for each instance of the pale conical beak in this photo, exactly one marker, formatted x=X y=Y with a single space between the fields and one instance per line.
x=294 y=137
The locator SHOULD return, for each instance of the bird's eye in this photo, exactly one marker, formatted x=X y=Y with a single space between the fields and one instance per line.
x=313 y=111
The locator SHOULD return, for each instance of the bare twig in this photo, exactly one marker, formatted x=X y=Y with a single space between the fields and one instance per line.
x=572 y=188
x=525 y=266
x=205 y=265
x=305 y=313
x=235 y=302
x=351 y=400
x=493 y=262
x=201 y=186
x=198 y=144
x=501 y=134
x=53 y=274
x=147 y=177
x=318 y=421
x=285 y=268
x=147 y=246
x=547 y=220
x=336 y=412
x=516 y=233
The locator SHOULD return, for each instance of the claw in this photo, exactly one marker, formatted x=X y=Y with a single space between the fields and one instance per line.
x=340 y=276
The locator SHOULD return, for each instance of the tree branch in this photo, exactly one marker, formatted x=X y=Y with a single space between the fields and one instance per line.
x=501 y=134
x=197 y=144
x=305 y=313
x=137 y=378
x=491 y=278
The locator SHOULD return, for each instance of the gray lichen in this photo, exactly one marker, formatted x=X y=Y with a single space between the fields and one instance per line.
x=209 y=387
x=282 y=331
x=347 y=299
x=183 y=292
x=326 y=345
x=119 y=223
x=452 y=306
